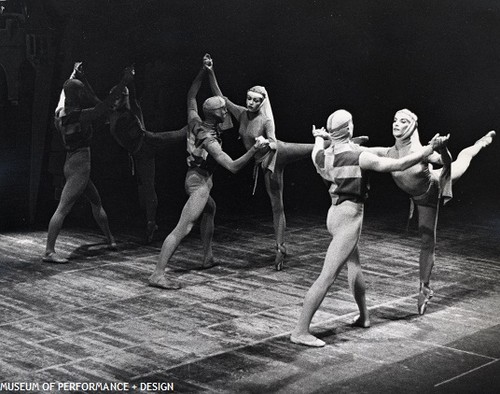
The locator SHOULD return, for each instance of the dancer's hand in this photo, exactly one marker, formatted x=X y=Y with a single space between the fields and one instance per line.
x=208 y=63
x=261 y=143
x=439 y=142
x=77 y=70
x=320 y=133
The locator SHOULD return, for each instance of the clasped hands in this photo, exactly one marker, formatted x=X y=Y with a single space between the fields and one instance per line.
x=261 y=143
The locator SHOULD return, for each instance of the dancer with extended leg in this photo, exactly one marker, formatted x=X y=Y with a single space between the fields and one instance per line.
x=427 y=187
x=256 y=120
x=204 y=153
x=73 y=119
x=128 y=129
x=344 y=165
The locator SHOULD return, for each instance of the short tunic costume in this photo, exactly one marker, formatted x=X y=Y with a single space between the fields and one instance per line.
x=201 y=165
x=339 y=165
x=436 y=183
x=348 y=189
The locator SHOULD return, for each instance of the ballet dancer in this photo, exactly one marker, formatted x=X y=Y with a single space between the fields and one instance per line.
x=77 y=109
x=344 y=166
x=427 y=187
x=128 y=129
x=256 y=119
x=204 y=153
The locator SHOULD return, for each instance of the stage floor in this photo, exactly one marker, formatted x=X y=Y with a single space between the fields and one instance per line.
x=96 y=320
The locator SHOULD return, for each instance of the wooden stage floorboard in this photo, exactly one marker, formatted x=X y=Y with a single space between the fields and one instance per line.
x=96 y=320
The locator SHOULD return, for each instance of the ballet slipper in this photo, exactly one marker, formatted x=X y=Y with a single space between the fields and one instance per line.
x=486 y=139
x=163 y=283
x=279 y=261
x=54 y=258
x=307 y=340
x=424 y=296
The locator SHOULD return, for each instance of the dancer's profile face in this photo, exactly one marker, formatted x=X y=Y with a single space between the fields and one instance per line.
x=401 y=124
x=254 y=101
x=220 y=113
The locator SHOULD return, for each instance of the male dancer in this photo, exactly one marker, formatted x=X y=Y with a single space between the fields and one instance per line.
x=73 y=118
x=128 y=129
x=204 y=153
x=344 y=164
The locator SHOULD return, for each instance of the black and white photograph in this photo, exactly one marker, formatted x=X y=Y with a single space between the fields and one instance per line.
x=261 y=196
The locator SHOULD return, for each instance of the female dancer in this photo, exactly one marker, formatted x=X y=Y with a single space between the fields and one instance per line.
x=73 y=119
x=344 y=164
x=426 y=186
x=204 y=153
x=128 y=129
x=256 y=119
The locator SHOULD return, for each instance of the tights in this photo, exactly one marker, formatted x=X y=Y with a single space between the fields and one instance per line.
x=77 y=174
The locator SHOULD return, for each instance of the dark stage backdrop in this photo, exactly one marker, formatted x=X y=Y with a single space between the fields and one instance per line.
x=441 y=59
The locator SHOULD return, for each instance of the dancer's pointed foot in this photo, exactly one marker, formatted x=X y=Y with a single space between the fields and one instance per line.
x=424 y=296
x=162 y=282
x=307 y=340
x=54 y=258
x=279 y=261
x=363 y=323
x=486 y=139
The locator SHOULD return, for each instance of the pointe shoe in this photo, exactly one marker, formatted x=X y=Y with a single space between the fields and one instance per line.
x=54 y=258
x=426 y=293
x=486 y=139
x=279 y=261
x=309 y=340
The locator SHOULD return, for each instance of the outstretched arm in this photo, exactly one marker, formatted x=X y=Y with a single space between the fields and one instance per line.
x=235 y=110
x=376 y=150
x=321 y=137
x=192 y=106
x=80 y=75
x=62 y=96
x=369 y=161
x=215 y=150
x=89 y=115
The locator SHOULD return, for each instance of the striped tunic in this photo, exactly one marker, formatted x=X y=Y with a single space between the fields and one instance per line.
x=340 y=166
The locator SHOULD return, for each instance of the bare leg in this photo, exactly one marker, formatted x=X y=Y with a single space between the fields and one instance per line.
x=77 y=173
x=98 y=212
x=207 y=232
x=71 y=192
x=427 y=225
x=190 y=213
x=287 y=153
x=461 y=164
x=274 y=187
x=358 y=288
x=345 y=225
